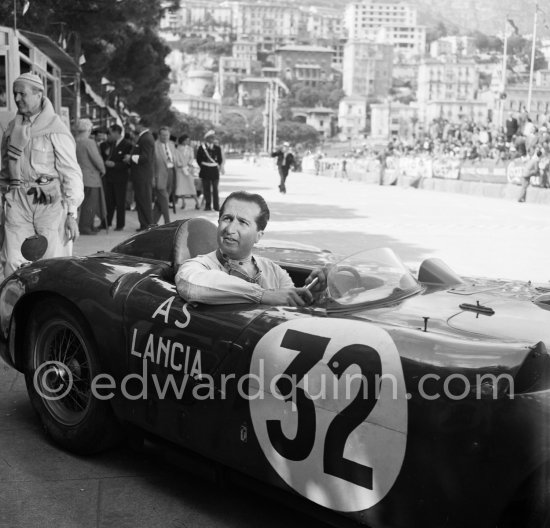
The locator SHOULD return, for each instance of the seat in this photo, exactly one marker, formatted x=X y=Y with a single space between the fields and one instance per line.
x=196 y=236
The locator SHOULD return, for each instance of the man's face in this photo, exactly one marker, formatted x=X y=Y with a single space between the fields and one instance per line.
x=28 y=102
x=114 y=135
x=164 y=136
x=237 y=229
x=101 y=137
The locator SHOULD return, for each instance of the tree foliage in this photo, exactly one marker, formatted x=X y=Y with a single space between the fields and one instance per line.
x=296 y=133
x=118 y=39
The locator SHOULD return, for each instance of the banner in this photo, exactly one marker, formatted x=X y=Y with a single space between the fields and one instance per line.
x=448 y=168
x=486 y=171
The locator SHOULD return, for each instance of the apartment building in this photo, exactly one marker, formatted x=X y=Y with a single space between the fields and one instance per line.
x=267 y=24
x=448 y=89
x=243 y=49
x=367 y=70
x=324 y=23
x=352 y=117
x=392 y=23
x=311 y=65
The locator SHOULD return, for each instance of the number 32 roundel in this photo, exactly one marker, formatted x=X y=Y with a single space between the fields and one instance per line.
x=329 y=409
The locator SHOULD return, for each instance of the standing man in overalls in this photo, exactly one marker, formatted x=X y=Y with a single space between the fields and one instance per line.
x=40 y=178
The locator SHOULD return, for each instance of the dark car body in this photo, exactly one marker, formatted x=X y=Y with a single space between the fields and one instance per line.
x=457 y=437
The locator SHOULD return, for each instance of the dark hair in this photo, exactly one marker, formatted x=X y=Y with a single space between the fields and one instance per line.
x=243 y=196
x=181 y=139
x=162 y=128
x=116 y=128
x=100 y=130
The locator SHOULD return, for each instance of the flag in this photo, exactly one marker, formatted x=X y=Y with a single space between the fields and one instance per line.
x=544 y=21
x=26 y=6
x=81 y=60
x=511 y=28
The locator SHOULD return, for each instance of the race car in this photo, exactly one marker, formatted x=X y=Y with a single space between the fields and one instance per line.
x=394 y=400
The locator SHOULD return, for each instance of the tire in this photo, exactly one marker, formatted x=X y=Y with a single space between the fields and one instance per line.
x=60 y=363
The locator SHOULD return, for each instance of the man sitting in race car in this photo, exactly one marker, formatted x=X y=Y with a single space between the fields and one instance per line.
x=231 y=274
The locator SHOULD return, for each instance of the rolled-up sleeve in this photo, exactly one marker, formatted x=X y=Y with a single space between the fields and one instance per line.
x=197 y=283
x=69 y=171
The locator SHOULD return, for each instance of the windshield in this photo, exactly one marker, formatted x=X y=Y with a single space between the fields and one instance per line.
x=374 y=276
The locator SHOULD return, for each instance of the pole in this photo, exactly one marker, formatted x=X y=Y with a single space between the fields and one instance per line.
x=271 y=102
x=503 y=81
x=275 y=105
x=532 y=59
x=15 y=15
x=266 y=122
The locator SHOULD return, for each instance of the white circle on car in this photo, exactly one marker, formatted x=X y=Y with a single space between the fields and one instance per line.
x=329 y=408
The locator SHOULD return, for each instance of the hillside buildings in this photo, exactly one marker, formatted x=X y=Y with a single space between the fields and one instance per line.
x=377 y=48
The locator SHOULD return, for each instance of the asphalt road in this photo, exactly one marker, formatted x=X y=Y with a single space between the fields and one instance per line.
x=42 y=486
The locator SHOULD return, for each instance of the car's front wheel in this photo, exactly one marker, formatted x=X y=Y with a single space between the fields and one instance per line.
x=60 y=364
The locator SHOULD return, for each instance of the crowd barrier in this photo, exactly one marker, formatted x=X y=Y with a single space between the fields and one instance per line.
x=487 y=177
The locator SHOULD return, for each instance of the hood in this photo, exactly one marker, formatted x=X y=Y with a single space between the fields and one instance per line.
x=481 y=308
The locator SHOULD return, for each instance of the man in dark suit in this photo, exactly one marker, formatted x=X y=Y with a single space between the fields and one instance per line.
x=285 y=160
x=511 y=126
x=115 y=181
x=210 y=160
x=141 y=160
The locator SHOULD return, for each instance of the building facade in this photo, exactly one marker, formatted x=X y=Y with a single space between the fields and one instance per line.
x=393 y=119
x=311 y=65
x=205 y=108
x=392 y=23
x=321 y=119
x=267 y=24
x=517 y=96
x=447 y=88
x=25 y=51
x=352 y=117
x=367 y=69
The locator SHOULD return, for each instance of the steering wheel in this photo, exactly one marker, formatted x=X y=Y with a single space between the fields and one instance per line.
x=344 y=269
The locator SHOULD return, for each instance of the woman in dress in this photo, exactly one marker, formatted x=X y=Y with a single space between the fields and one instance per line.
x=185 y=172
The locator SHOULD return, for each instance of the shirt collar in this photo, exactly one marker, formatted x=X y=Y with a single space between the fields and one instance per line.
x=233 y=268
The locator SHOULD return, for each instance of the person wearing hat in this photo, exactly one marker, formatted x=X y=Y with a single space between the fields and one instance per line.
x=285 y=160
x=210 y=160
x=40 y=178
